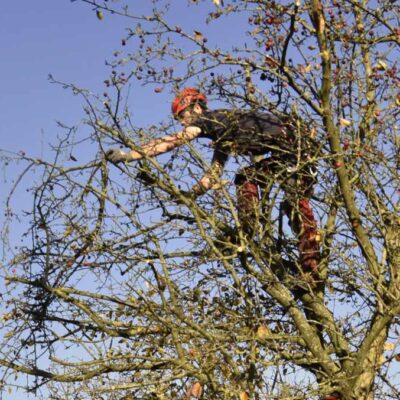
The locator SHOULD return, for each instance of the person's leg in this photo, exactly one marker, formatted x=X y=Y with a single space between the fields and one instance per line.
x=297 y=207
x=248 y=183
x=247 y=198
x=298 y=189
x=304 y=225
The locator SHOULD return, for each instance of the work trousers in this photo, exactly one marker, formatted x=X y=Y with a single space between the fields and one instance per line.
x=297 y=185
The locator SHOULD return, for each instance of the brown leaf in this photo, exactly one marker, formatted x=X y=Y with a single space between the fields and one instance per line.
x=193 y=352
x=244 y=396
x=381 y=65
x=198 y=36
x=271 y=62
x=344 y=122
x=304 y=68
x=381 y=359
x=389 y=346
x=263 y=332
x=195 y=391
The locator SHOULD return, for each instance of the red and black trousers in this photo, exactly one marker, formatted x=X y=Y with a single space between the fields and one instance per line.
x=297 y=184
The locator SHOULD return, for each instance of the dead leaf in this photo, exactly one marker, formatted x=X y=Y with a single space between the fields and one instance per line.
x=271 y=62
x=313 y=133
x=218 y=2
x=99 y=15
x=196 y=390
x=263 y=332
x=304 y=68
x=344 y=122
x=381 y=65
x=244 y=396
x=308 y=68
x=198 y=36
x=193 y=352
x=389 y=346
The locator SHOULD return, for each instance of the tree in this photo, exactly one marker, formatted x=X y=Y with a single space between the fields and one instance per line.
x=130 y=290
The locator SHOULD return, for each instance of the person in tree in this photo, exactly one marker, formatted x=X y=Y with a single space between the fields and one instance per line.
x=248 y=133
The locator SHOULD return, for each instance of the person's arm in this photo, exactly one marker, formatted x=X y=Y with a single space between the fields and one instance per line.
x=155 y=147
x=212 y=177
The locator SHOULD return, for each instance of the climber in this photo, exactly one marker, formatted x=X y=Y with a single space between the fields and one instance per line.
x=249 y=133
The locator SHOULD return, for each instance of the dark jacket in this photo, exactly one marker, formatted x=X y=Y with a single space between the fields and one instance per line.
x=246 y=132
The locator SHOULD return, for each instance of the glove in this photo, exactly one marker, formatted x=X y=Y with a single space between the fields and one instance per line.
x=146 y=177
x=116 y=156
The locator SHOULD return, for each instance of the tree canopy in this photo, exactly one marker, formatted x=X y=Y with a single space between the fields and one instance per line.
x=125 y=288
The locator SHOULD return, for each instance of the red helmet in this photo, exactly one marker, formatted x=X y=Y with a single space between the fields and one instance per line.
x=185 y=98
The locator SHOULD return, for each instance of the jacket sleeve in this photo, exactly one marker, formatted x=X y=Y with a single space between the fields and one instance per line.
x=212 y=176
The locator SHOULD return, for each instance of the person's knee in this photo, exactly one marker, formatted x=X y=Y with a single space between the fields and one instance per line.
x=243 y=176
x=239 y=179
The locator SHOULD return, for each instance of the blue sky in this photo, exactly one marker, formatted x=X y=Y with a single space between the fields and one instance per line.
x=38 y=38
x=61 y=38
x=65 y=39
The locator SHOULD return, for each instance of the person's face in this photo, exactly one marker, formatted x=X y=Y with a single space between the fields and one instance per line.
x=187 y=116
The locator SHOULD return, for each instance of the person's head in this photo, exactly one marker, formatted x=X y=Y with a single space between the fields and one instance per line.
x=187 y=104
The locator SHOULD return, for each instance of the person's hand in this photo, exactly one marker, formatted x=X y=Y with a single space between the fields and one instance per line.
x=204 y=185
x=116 y=156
